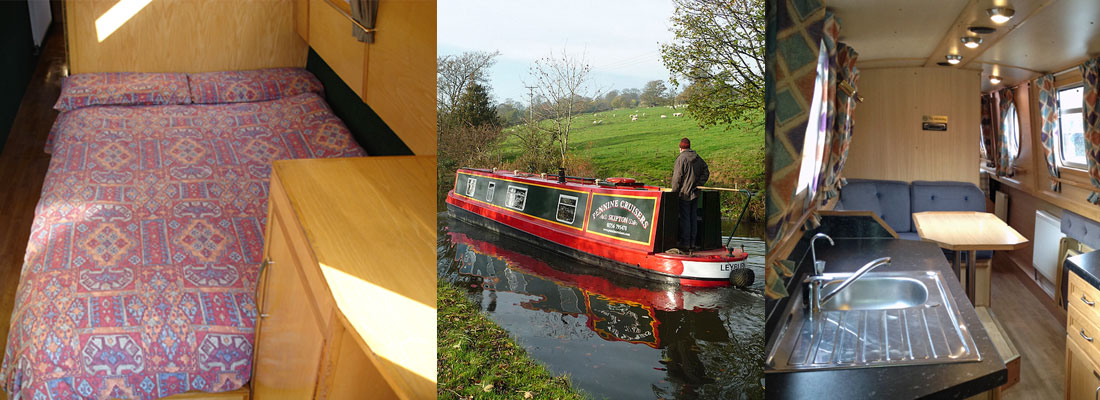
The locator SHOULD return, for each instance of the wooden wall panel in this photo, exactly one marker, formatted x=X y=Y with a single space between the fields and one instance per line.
x=185 y=36
x=301 y=18
x=330 y=36
x=888 y=142
x=400 y=83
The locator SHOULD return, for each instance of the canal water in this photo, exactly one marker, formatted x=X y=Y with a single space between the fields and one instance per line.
x=617 y=337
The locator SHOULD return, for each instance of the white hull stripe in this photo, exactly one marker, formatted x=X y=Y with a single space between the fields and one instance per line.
x=710 y=270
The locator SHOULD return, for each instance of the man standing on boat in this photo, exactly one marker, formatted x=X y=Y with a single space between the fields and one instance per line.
x=689 y=172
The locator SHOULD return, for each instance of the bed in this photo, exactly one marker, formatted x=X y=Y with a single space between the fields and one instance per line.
x=140 y=272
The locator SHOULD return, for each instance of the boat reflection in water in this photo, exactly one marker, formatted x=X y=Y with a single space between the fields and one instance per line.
x=616 y=336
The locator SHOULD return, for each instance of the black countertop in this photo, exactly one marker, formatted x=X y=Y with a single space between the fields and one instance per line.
x=1087 y=266
x=942 y=381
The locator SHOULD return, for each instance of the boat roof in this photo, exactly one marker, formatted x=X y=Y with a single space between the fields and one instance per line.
x=551 y=179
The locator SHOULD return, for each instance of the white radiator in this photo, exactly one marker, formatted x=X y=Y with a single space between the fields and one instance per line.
x=1048 y=235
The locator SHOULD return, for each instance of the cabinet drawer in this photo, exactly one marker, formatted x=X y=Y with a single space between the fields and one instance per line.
x=1086 y=297
x=1080 y=328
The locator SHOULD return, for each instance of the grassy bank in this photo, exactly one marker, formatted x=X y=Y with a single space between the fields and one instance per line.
x=477 y=359
x=646 y=149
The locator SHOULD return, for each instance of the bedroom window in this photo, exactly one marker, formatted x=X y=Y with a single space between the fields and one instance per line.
x=567 y=209
x=1071 y=137
x=517 y=197
x=471 y=187
x=492 y=190
x=1012 y=131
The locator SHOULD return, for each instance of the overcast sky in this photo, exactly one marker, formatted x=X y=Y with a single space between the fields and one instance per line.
x=620 y=39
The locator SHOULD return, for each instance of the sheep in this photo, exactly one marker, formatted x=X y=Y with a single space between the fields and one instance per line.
x=634 y=118
x=678 y=114
x=664 y=116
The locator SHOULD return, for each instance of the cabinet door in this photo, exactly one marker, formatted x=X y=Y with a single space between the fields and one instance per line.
x=289 y=339
x=1082 y=377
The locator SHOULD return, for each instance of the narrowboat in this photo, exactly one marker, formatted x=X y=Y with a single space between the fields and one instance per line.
x=617 y=223
x=933 y=200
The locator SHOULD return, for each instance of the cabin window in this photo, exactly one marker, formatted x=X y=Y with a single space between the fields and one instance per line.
x=1012 y=127
x=491 y=191
x=517 y=197
x=567 y=208
x=1071 y=137
x=471 y=186
x=813 y=148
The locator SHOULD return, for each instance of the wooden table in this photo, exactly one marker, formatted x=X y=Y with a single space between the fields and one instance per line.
x=967 y=231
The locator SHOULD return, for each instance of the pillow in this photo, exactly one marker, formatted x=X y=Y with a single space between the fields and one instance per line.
x=255 y=85
x=122 y=88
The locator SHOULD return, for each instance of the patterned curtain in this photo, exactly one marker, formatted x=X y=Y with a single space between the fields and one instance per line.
x=1090 y=72
x=1006 y=159
x=987 y=130
x=1048 y=111
x=843 y=62
x=791 y=57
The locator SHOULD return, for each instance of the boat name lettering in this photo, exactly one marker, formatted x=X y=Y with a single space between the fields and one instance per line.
x=625 y=205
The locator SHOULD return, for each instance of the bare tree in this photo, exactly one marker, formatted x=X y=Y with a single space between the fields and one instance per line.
x=563 y=83
x=719 y=50
x=455 y=72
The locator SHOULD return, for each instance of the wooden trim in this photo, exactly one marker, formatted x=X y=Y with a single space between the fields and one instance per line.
x=859 y=213
x=241 y=394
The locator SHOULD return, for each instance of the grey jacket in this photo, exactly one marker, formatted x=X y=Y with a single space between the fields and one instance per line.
x=690 y=171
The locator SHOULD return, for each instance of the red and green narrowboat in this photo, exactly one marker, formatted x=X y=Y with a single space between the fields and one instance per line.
x=616 y=223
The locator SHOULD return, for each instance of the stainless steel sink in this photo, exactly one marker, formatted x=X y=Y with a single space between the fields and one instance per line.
x=872 y=292
x=882 y=319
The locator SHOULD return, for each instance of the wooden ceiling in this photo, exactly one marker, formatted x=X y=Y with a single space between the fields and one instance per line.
x=1043 y=36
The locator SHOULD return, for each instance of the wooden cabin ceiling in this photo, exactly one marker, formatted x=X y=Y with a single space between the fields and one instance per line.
x=1043 y=36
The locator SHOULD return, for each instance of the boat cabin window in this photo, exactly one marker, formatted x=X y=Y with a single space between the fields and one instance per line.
x=492 y=190
x=1071 y=140
x=517 y=197
x=1012 y=131
x=813 y=148
x=567 y=208
x=471 y=186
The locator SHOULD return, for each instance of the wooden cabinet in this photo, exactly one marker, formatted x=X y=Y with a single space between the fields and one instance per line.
x=1082 y=376
x=1082 y=341
x=337 y=320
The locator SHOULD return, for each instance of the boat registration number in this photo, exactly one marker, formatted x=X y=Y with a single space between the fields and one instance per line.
x=730 y=266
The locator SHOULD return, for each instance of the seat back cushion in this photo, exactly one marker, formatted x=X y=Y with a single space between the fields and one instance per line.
x=888 y=199
x=1083 y=229
x=946 y=196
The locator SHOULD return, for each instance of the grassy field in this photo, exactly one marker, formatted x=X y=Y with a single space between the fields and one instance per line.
x=646 y=149
x=478 y=360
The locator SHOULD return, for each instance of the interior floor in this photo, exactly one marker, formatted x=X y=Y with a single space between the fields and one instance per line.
x=23 y=166
x=1036 y=326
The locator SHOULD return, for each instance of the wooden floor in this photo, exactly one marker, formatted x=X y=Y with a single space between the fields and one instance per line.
x=1036 y=328
x=23 y=168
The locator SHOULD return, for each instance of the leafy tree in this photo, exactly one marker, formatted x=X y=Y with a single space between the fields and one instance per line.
x=653 y=94
x=455 y=72
x=474 y=108
x=719 y=51
x=511 y=112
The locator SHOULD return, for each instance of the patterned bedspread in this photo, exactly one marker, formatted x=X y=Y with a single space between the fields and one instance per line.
x=140 y=273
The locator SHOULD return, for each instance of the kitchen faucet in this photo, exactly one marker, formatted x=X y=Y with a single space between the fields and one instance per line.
x=816 y=299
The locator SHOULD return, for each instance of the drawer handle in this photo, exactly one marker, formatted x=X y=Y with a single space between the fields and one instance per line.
x=1090 y=303
x=1096 y=396
x=1086 y=337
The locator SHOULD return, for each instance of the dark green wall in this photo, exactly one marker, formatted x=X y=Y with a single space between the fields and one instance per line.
x=367 y=127
x=17 y=61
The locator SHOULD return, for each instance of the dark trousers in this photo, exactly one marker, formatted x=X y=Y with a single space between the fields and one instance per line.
x=689 y=222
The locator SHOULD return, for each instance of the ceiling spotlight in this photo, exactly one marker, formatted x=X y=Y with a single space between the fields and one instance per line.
x=971 y=42
x=1000 y=15
x=994 y=79
x=953 y=58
